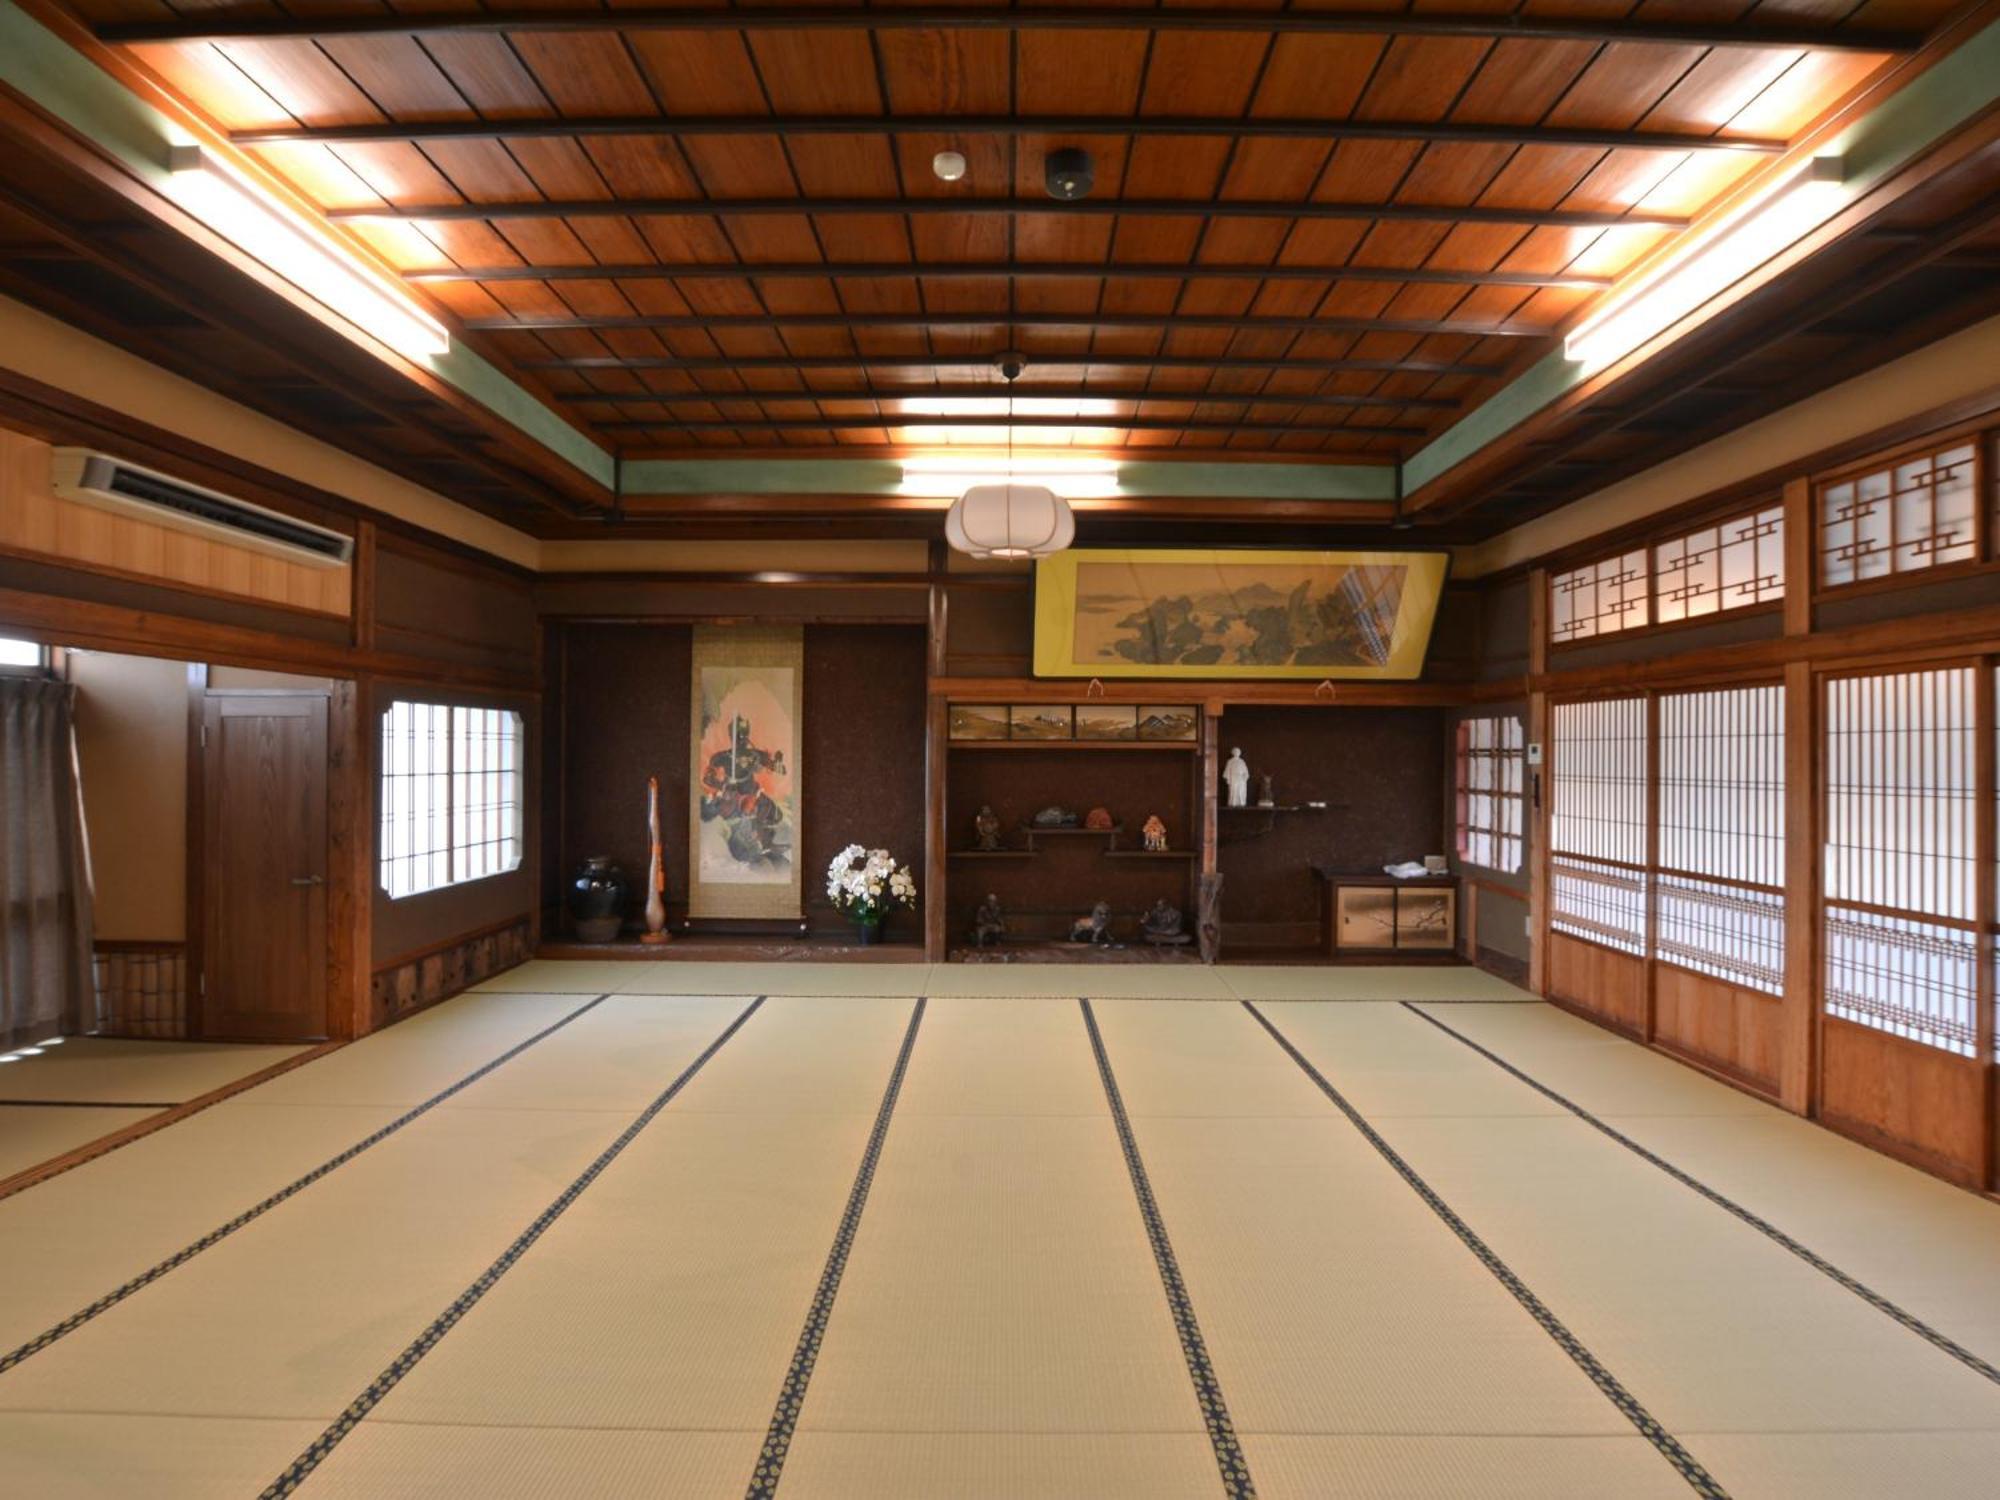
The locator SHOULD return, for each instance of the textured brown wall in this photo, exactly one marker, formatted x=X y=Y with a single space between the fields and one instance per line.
x=618 y=708
x=1380 y=768
x=1041 y=895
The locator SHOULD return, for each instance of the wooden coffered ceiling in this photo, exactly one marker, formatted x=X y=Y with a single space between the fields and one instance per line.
x=1321 y=232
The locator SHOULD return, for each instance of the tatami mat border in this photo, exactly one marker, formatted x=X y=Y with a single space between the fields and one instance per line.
x=298 y=1185
x=1699 y=1479
x=1229 y=1458
x=1728 y=1205
x=170 y=1114
x=316 y=1452
x=792 y=1396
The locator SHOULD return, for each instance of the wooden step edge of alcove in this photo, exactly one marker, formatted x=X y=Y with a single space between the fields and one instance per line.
x=724 y=948
x=992 y=854
x=1149 y=854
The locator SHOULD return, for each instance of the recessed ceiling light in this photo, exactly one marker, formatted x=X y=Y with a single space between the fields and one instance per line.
x=949 y=165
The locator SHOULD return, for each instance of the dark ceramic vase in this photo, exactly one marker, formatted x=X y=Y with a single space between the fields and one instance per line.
x=870 y=932
x=597 y=900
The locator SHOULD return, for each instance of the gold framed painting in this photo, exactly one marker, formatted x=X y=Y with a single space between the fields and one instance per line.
x=1107 y=721
x=978 y=721
x=1235 y=613
x=743 y=795
x=1040 y=721
x=1179 y=722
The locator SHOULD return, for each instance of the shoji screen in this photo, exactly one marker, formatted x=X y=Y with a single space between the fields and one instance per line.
x=1901 y=925
x=1721 y=905
x=1597 y=830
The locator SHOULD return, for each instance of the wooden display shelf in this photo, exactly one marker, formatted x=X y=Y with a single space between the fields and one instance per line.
x=1043 y=833
x=1149 y=854
x=992 y=853
x=1275 y=807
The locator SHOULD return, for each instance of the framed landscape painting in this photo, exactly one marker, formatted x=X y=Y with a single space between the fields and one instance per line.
x=743 y=795
x=978 y=721
x=1107 y=721
x=1238 y=613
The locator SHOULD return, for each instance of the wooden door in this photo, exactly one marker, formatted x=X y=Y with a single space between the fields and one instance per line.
x=264 y=948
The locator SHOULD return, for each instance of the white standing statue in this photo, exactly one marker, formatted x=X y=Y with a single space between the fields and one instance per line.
x=1236 y=776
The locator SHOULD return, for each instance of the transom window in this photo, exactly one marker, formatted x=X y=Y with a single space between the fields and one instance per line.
x=1598 y=599
x=1731 y=565
x=1489 y=793
x=451 y=795
x=1918 y=512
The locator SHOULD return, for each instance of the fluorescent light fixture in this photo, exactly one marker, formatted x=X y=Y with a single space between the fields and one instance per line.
x=941 y=474
x=1005 y=406
x=288 y=246
x=1724 y=256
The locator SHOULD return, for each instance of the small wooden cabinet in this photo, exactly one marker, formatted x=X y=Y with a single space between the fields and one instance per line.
x=1379 y=914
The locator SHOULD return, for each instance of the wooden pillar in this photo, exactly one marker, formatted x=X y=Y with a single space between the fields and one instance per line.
x=937 y=940
x=1799 y=1017
x=1798 y=557
x=1536 y=823
x=362 y=608
x=1650 y=971
x=350 y=880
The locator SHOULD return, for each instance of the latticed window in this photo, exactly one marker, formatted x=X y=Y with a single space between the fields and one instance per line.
x=1901 y=874
x=1731 y=565
x=1915 y=513
x=1598 y=599
x=451 y=795
x=1597 y=829
x=1489 y=793
x=1720 y=901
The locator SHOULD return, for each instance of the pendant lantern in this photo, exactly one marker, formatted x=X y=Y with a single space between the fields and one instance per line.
x=1009 y=520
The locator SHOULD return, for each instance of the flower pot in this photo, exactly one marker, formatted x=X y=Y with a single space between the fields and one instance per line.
x=596 y=900
x=869 y=933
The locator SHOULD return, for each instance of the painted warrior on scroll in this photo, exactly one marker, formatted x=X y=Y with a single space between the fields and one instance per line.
x=733 y=791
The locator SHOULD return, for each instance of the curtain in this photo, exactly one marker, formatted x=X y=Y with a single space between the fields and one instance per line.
x=45 y=977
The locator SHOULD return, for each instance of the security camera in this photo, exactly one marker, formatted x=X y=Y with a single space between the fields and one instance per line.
x=1010 y=364
x=1069 y=174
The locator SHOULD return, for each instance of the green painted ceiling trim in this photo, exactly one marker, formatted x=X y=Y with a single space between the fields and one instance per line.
x=871 y=476
x=43 y=68
x=1937 y=101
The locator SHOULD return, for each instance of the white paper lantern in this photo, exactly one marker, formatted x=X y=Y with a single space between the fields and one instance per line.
x=1009 y=520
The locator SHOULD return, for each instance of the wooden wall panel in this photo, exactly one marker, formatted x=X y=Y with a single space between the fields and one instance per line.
x=430 y=603
x=422 y=979
x=1605 y=984
x=35 y=523
x=1912 y=1101
x=1736 y=1031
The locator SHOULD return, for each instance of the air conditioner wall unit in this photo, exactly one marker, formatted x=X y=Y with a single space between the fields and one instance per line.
x=112 y=484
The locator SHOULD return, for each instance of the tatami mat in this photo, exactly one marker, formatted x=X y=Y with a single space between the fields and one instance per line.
x=1000 y=1328
x=1927 y=1246
x=32 y=1134
x=102 y=1070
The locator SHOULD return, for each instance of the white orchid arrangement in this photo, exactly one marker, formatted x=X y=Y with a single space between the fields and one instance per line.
x=867 y=883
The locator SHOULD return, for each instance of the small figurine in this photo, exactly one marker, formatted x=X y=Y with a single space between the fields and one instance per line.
x=1236 y=776
x=1264 y=797
x=989 y=924
x=1098 y=818
x=1094 y=929
x=1162 y=924
x=1055 y=817
x=1154 y=832
x=986 y=831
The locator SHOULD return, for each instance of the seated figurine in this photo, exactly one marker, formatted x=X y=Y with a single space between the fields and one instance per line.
x=1094 y=929
x=989 y=924
x=1162 y=923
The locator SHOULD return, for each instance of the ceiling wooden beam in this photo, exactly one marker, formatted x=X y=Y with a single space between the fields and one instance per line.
x=1736 y=34
x=1109 y=424
x=859 y=362
x=696 y=323
x=1152 y=208
x=998 y=392
x=1459 y=131
x=1018 y=270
